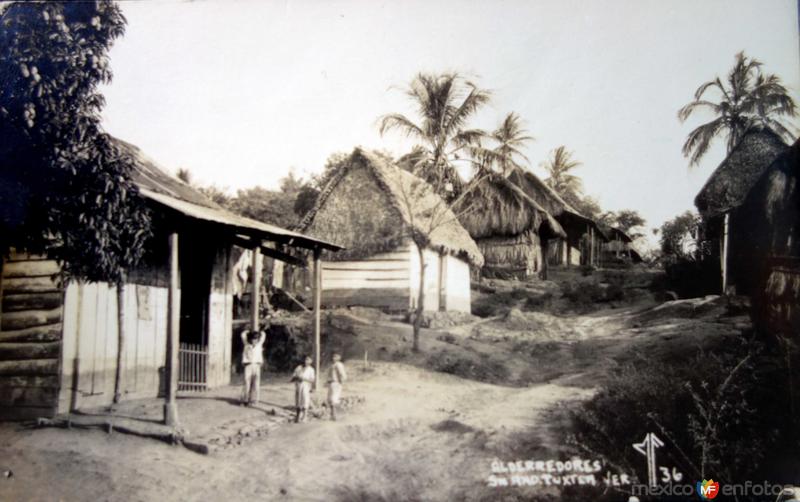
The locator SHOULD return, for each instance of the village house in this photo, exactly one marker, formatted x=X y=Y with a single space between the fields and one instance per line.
x=751 y=208
x=507 y=217
x=746 y=229
x=59 y=344
x=371 y=206
x=581 y=245
x=619 y=247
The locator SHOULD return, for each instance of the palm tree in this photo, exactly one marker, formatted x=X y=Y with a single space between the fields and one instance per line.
x=748 y=99
x=444 y=104
x=510 y=137
x=558 y=168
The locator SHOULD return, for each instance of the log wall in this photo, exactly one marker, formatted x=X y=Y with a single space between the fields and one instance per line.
x=30 y=337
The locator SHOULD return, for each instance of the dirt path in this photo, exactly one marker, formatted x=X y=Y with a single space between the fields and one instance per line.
x=419 y=434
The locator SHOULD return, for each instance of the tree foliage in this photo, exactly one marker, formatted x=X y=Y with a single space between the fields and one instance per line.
x=510 y=137
x=444 y=103
x=627 y=220
x=560 y=178
x=747 y=99
x=308 y=192
x=679 y=237
x=67 y=184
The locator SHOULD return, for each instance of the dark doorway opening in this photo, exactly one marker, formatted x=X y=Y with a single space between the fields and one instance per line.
x=196 y=262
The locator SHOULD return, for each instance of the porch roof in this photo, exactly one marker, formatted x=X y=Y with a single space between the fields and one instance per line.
x=242 y=225
x=157 y=185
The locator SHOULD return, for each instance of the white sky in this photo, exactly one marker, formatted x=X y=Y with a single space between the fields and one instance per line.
x=240 y=92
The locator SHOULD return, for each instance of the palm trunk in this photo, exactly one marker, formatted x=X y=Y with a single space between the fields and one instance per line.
x=420 y=297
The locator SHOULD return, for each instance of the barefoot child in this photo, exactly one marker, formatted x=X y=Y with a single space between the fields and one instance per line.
x=336 y=378
x=252 y=358
x=303 y=378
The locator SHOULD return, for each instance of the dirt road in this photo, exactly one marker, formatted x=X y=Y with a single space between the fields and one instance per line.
x=419 y=435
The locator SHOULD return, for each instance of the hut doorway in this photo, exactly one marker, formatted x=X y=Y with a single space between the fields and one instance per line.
x=196 y=259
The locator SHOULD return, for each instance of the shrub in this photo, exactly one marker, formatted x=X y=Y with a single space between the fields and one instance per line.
x=583 y=294
x=720 y=413
x=498 y=303
x=485 y=370
x=692 y=279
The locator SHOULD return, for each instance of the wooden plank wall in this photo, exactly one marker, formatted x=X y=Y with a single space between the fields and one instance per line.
x=90 y=343
x=379 y=281
x=432 y=262
x=220 y=319
x=457 y=285
x=391 y=281
x=30 y=334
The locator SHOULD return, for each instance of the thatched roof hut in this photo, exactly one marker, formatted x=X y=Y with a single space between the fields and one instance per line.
x=371 y=207
x=735 y=210
x=574 y=223
x=379 y=222
x=729 y=184
x=765 y=234
x=498 y=207
x=509 y=226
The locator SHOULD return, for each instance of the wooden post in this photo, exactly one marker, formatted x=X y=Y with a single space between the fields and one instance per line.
x=545 y=243
x=591 y=246
x=599 y=253
x=317 y=305
x=173 y=335
x=254 y=297
x=120 y=340
x=725 y=245
x=2 y=262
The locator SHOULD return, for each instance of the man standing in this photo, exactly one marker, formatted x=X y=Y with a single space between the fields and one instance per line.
x=252 y=359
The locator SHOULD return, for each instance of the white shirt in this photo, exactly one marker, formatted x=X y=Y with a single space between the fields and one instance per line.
x=253 y=352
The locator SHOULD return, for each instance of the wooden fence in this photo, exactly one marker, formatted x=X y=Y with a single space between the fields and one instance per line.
x=193 y=364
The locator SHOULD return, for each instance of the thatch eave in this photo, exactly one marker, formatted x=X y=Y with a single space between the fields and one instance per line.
x=446 y=236
x=730 y=182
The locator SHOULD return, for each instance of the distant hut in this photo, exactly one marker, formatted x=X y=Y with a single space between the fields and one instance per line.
x=732 y=225
x=581 y=245
x=619 y=247
x=59 y=343
x=369 y=207
x=511 y=228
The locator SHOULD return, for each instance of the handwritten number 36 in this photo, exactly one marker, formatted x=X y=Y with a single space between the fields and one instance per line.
x=668 y=476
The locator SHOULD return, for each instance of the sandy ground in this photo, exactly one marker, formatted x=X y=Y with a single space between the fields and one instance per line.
x=418 y=435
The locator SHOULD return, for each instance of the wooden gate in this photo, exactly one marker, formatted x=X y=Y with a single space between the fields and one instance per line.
x=193 y=364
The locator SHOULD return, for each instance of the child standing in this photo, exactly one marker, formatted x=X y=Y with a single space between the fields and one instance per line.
x=303 y=378
x=252 y=358
x=336 y=377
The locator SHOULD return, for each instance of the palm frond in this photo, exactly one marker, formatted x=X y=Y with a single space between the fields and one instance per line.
x=401 y=123
x=687 y=110
x=700 y=139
